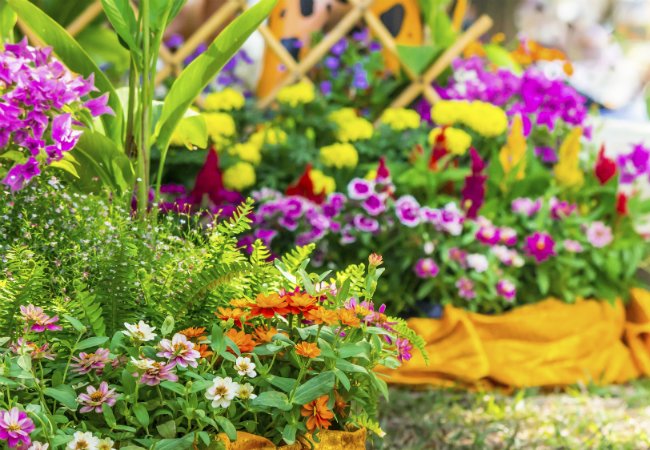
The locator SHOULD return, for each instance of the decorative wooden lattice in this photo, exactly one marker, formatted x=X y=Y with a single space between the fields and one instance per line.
x=359 y=11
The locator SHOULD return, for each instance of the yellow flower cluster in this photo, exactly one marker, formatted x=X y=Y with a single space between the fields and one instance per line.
x=350 y=127
x=339 y=155
x=457 y=141
x=297 y=94
x=484 y=118
x=513 y=154
x=270 y=136
x=400 y=119
x=322 y=182
x=226 y=100
x=221 y=127
x=239 y=176
x=248 y=152
x=567 y=170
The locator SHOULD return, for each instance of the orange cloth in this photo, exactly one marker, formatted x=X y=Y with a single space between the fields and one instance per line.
x=550 y=343
x=328 y=440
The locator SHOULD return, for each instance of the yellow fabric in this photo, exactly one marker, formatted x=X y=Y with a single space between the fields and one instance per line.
x=328 y=440
x=550 y=343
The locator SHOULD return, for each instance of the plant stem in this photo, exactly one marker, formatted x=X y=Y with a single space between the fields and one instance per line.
x=67 y=366
x=145 y=113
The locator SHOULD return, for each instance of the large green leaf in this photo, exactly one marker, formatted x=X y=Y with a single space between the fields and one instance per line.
x=7 y=22
x=73 y=56
x=416 y=57
x=203 y=69
x=319 y=385
x=121 y=16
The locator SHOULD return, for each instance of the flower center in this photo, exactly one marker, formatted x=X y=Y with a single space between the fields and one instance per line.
x=221 y=390
x=96 y=396
x=540 y=245
x=82 y=445
x=14 y=427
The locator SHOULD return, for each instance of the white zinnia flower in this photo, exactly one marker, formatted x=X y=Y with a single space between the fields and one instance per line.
x=244 y=366
x=38 y=446
x=477 y=262
x=83 y=441
x=106 y=444
x=140 y=332
x=246 y=391
x=222 y=392
x=143 y=364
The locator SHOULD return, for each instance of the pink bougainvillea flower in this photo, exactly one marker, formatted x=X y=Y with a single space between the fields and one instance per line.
x=94 y=398
x=540 y=246
x=179 y=351
x=20 y=174
x=15 y=428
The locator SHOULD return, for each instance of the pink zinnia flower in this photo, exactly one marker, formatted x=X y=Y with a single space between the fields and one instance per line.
x=540 y=246
x=561 y=209
x=179 y=351
x=459 y=256
x=599 y=235
x=94 y=398
x=87 y=362
x=466 y=288
x=22 y=347
x=426 y=268
x=488 y=234
x=506 y=289
x=572 y=246
x=37 y=320
x=153 y=372
x=508 y=236
x=15 y=427
x=526 y=206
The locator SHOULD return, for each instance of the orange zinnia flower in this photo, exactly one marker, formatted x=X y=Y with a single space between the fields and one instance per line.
x=349 y=318
x=339 y=403
x=264 y=334
x=240 y=303
x=243 y=341
x=318 y=413
x=321 y=315
x=269 y=305
x=307 y=349
x=230 y=313
x=301 y=303
x=204 y=350
x=194 y=333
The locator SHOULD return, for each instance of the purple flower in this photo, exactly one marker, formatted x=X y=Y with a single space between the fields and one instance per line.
x=334 y=204
x=360 y=189
x=174 y=41
x=458 y=256
x=546 y=154
x=87 y=362
x=507 y=290
x=473 y=192
x=451 y=220
x=179 y=351
x=15 y=427
x=634 y=164
x=508 y=236
x=98 y=106
x=332 y=63
x=540 y=246
x=366 y=224
x=488 y=234
x=362 y=35
x=407 y=210
x=526 y=206
x=326 y=87
x=599 y=235
x=404 y=348
x=340 y=47
x=465 y=288
x=266 y=235
x=360 y=77
x=561 y=209
x=374 y=205
x=346 y=235
x=153 y=372
x=64 y=136
x=374 y=46
x=20 y=174
x=426 y=268
x=94 y=398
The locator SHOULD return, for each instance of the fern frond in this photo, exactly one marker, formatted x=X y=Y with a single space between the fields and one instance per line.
x=91 y=310
x=294 y=259
x=240 y=220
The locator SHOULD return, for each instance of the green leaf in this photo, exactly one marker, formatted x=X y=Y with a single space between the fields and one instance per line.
x=141 y=414
x=319 y=385
x=121 y=16
x=289 y=433
x=64 y=394
x=167 y=326
x=94 y=341
x=227 y=427
x=176 y=444
x=286 y=384
x=217 y=341
x=167 y=429
x=7 y=22
x=501 y=57
x=174 y=387
x=543 y=281
x=109 y=416
x=191 y=132
x=416 y=58
x=203 y=69
x=80 y=327
x=343 y=378
x=273 y=399
x=72 y=55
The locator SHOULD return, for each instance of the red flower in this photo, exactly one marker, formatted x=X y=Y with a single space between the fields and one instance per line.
x=209 y=182
x=383 y=174
x=621 y=204
x=438 y=151
x=473 y=192
x=304 y=187
x=605 y=168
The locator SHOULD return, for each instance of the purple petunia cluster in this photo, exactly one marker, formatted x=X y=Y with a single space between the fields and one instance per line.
x=41 y=103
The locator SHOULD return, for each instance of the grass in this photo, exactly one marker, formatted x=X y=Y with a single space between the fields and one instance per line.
x=579 y=417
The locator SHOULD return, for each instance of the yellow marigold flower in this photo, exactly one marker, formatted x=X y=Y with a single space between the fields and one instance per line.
x=449 y=112
x=513 y=154
x=400 y=119
x=484 y=118
x=297 y=94
x=247 y=152
x=567 y=170
x=339 y=156
x=221 y=127
x=226 y=100
x=239 y=176
x=457 y=141
x=270 y=136
x=356 y=129
x=322 y=182
x=342 y=115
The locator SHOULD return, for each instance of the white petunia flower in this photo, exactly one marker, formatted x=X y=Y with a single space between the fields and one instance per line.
x=246 y=392
x=140 y=332
x=244 y=366
x=222 y=392
x=83 y=441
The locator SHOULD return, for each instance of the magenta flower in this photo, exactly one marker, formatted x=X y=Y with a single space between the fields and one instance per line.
x=365 y=224
x=458 y=256
x=94 y=398
x=599 y=235
x=507 y=290
x=98 y=106
x=572 y=246
x=465 y=288
x=407 y=210
x=561 y=209
x=540 y=246
x=473 y=192
x=374 y=205
x=179 y=351
x=22 y=347
x=37 y=320
x=87 y=362
x=404 y=348
x=526 y=206
x=360 y=189
x=426 y=268
x=153 y=372
x=20 y=174
x=15 y=428
x=488 y=234
x=383 y=174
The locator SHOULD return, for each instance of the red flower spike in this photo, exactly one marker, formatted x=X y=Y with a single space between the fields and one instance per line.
x=304 y=187
x=473 y=192
x=209 y=182
x=383 y=174
x=621 y=204
x=439 y=150
x=605 y=168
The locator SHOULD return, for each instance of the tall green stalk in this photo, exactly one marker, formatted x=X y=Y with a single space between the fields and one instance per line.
x=144 y=152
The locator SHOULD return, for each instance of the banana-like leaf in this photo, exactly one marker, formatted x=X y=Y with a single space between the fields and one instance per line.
x=7 y=22
x=203 y=69
x=121 y=16
x=73 y=56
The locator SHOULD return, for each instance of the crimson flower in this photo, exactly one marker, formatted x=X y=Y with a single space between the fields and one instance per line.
x=304 y=187
x=473 y=192
x=605 y=168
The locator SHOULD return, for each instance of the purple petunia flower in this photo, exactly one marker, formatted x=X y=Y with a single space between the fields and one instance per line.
x=374 y=205
x=332 y=62
x=366 y=224
x=407 y=210
x=340 y=47
x=540 y=246
x=426 y=268
x=326 y=87
x=360 y=189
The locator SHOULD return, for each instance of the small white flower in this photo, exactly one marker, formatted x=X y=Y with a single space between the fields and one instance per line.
x=222 y=392
x=429 y=247
x=106 y=444
x=244 y=366
x=477 y=262
x=246 y=391
x=143 y=364
x=38 y=446
x=140 y=332
x=83 y=441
